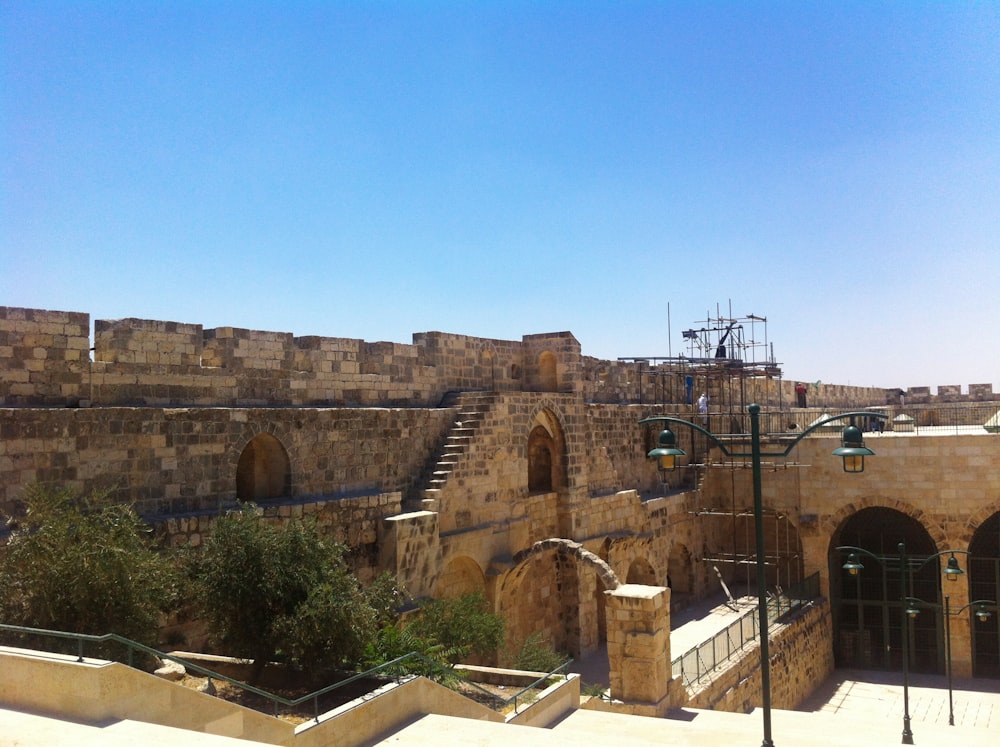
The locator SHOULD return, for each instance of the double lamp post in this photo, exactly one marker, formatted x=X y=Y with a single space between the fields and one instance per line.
x=911 y=609
x=852 y=450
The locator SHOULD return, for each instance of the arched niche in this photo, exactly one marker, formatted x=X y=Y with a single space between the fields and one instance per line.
x=641 y=572
x=461 y=575
x=263 y=470
x=547 y=375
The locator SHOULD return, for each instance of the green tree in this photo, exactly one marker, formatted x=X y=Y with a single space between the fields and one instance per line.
x=84 y=565
x=281 y=592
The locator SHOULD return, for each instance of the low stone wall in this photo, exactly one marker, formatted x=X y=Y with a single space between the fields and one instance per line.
x=801 y=651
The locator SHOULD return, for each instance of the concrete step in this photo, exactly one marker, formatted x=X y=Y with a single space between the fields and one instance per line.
x=33 y=730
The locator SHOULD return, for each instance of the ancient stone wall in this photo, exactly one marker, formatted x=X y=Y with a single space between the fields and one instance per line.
x=44 y=356
x=169 y=461
x=139 y=362
x=358 y=522
x=44 y=360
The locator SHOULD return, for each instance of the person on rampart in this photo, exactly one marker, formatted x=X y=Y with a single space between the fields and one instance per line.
x=703 y=408
x=800 y=393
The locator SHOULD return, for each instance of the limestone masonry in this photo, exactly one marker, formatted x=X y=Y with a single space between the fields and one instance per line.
x=519 y=469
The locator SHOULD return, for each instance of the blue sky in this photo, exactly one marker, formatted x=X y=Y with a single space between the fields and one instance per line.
x=375 y=169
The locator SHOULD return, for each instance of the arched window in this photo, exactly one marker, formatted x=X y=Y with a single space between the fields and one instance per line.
x=263 y=470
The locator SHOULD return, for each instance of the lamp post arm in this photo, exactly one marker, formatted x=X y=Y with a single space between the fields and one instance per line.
x=929 y=558
x=863 y=551
x=693 y=426
x=722 y=447
x=964 y=607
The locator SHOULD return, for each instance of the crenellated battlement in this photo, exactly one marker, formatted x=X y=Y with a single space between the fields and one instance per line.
x=45 y=361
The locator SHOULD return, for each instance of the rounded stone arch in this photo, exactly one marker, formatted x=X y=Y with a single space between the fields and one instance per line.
x=548 y=592
x=461 y=575
x=983 y=568
x=980 y=517
x=868 y=616
x=263 y=469
x=548 y=376
x=527 y=599
x=641 y=571
x=832 y=524
x=546 y=452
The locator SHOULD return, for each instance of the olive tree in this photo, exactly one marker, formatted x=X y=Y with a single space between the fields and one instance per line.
x=280 y=592
x=83 y=564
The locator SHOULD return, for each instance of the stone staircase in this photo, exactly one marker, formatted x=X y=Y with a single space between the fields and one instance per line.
x=470 y=411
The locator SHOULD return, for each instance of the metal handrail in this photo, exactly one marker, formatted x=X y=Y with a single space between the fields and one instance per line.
x=277 y=700
x=721 y=647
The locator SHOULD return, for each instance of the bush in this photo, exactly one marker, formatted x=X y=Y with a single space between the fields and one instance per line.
x=273 y=592
x=537 y=655
x=84 y=565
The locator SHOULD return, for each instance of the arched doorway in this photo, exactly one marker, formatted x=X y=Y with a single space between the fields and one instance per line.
x=984 y=583
x=263 y=471
x=869 y=607
x=540 y=459
x=546 y=451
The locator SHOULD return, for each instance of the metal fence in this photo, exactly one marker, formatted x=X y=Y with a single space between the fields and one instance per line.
x=696 y=664
x=408 y=665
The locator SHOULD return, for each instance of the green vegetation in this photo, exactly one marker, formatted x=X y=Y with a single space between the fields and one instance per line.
x=281 y=592
x=445 y=630
x=84 y=565
x=537 y=655
x=268 y=591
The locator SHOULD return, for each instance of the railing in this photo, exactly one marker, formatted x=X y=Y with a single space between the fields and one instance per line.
x=411 y=664
x=944 y=418
x=696 y=664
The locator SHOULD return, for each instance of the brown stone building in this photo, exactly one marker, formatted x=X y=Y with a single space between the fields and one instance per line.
x=453 y=461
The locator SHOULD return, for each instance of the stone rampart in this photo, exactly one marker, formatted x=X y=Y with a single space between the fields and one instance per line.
x=44 y=361
x=174 y=461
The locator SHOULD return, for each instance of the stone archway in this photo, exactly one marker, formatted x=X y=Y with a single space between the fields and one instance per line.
x=868 y=607
x=550 y=592
x=984 y=584
x=462 y=575
x=263 y=470
x=546 y=451
x=641 y=572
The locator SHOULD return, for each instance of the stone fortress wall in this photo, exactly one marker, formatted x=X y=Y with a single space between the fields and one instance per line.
x=45 y=360
x=446 y=460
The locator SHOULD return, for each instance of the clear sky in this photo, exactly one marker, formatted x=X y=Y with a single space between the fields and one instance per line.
x=374 y=169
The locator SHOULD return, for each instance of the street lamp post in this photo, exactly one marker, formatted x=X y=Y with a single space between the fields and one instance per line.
x=853 y=452
x=982 y=614
x=952 y=571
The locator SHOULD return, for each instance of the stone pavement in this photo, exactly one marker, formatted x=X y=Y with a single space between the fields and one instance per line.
x=975 y=702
